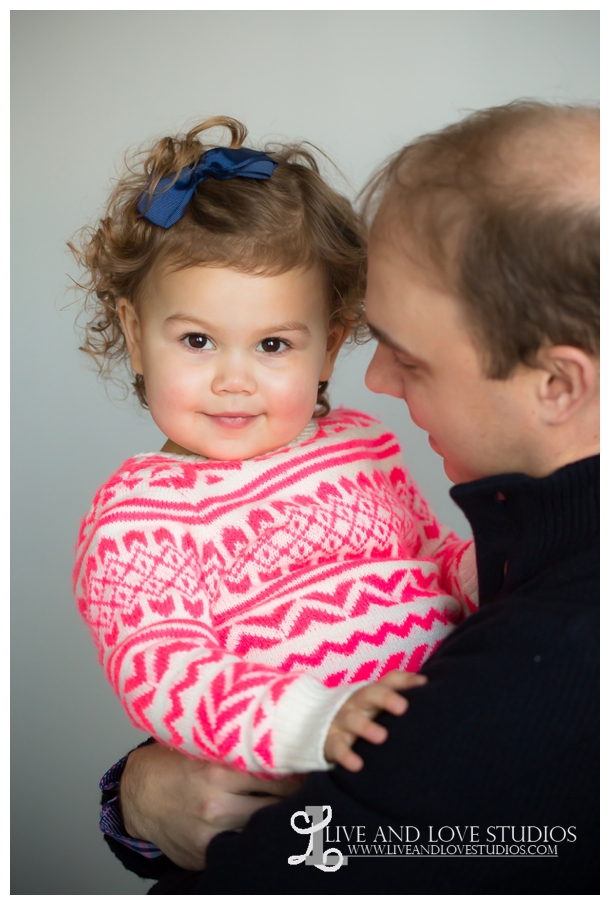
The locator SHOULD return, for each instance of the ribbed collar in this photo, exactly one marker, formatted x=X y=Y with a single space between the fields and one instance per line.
x=539 y=523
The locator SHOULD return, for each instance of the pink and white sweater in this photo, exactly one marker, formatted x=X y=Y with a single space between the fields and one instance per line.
x=235 y=605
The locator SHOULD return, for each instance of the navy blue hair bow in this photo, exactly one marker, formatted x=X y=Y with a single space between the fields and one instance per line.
x=168 y=204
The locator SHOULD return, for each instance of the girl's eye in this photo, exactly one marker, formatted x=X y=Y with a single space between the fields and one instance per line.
x=197 y=341
x=273 y=344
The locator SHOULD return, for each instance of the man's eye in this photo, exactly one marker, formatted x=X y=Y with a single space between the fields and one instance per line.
x=197 y=341
x=406 y=366
x=273 y=344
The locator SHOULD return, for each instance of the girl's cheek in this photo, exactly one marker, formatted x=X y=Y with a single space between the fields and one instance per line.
x=177 y=389
x=299 y=402
x=287 y=380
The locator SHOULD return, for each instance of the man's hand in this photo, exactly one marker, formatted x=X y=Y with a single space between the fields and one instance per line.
x=355 y=718
x=180 y=804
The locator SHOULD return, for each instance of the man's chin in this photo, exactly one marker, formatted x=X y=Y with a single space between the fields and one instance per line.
x=451 y=474
x=457 y=475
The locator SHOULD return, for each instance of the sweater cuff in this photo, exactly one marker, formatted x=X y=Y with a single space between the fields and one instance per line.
x=467 y=575
x=301 y=719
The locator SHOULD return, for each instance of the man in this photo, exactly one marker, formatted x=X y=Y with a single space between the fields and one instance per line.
x=483 y=296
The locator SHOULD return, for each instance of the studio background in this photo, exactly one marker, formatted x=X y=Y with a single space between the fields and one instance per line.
x=86 y=86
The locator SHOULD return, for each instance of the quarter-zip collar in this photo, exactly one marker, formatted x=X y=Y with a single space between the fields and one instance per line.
x=523 y=525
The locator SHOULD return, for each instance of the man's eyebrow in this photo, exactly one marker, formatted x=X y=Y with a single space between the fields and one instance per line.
x=382 y=337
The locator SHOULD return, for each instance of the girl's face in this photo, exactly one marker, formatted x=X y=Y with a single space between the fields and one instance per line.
x=231 y=361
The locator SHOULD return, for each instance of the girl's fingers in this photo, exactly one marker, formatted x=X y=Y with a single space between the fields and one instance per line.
x=380 y=697
x=395 y=704
x=402 y=680
x=358 y=724
x=349 y=759
x=336 y=741
x=374 y=733
x=354 y=718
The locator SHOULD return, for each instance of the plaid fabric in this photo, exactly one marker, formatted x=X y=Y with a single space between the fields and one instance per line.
x=111 y=819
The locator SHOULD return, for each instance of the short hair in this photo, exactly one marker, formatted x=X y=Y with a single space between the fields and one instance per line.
x=508 y=232
x=294 y=219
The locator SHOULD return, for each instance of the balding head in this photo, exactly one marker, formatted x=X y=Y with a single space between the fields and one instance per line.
x=550 y=153
x=503 y=209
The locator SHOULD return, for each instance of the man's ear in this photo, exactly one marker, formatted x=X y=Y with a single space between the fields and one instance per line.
x=568 y=383
x=130 y=323
x=337 y=334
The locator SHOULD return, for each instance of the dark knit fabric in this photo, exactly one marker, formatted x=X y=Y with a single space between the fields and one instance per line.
x=505 y=734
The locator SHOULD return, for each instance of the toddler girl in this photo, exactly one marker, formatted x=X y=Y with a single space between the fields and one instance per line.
x=253 y=587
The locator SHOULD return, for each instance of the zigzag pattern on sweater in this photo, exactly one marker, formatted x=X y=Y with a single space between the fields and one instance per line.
x=235 y=603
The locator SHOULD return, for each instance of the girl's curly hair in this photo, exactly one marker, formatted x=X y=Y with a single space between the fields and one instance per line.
x=294 y=219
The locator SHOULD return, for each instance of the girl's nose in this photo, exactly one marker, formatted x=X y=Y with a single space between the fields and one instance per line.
x=233 y=375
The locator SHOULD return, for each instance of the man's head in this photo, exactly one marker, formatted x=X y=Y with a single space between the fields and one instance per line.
x=484 y=288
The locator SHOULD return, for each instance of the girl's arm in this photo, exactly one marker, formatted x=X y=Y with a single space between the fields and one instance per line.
x=140 y=588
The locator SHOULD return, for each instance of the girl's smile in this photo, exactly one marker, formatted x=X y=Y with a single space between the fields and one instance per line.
x=233 y=421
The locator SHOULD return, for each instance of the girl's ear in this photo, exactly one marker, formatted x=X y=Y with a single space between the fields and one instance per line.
x=130 y=323
x=337 y=335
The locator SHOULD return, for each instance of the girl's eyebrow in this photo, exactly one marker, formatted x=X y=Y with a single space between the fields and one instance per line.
x=292 y=327
x=186 y=318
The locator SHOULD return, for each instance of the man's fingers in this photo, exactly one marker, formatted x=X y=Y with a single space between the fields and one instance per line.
x=229 y=811
x=250 y=804
x=276 y=788
x=188 y=860
x=243 y=784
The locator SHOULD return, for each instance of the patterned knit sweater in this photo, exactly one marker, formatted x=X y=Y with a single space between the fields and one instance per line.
x=235 y=605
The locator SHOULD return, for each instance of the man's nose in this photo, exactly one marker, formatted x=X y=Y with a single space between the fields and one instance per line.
x=380 y=376
x=233 y=375
x=374 y=373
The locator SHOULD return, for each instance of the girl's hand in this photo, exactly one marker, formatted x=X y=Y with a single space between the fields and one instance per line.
x=355 y=718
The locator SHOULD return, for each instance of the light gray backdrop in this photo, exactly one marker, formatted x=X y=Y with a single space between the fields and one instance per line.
x=87 y=85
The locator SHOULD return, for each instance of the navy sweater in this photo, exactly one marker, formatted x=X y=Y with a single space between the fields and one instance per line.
x=500 y=747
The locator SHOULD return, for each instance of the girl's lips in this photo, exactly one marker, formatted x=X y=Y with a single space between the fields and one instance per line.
x=235 y=421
